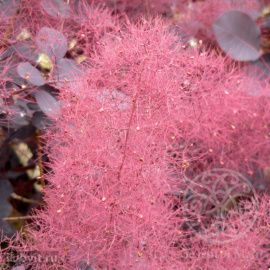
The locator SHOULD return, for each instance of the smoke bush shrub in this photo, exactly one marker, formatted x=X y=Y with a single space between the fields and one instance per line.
x=144 y=117
x=147 y=115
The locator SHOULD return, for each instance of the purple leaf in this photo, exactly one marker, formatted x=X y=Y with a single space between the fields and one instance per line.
x=30 y=73
x=52 y=42
x=47 y=103
x=5 y=208
x=5 y=191
x=18 y=117
x=40 y=120
x=13 y=76
x=32 y=106
x=56 y=8
x=26 y=50
x=6 y=229
x=22 y=133
x=238 y=35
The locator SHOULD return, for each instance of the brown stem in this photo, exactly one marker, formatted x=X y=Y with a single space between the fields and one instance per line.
x=17 y=218
x=23 y=199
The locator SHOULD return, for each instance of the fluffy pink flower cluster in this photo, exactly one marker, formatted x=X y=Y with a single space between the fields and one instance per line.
x=145 y=116
x=148 y=114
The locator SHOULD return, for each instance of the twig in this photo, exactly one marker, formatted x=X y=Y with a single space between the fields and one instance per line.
x=23 y=199
x=17 y=218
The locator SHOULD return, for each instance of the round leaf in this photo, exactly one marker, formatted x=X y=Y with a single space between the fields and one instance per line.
x=47 y=103
x=56 y=8
x=238 y=35
x=26 y=50
x=30 y=73
x=52 y=42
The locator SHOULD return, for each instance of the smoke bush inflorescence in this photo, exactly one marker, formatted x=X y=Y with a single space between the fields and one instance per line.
x=144 y=118
x=148 y=114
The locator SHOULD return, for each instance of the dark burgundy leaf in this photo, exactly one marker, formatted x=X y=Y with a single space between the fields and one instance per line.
x=32 y=106
x=23 y=104
x=12 y=75
x=52 y=42
x=26 y=50
x=47 y=103
x=22 y=133
x=238 y=35
x=6 y=229
x=5 y=191
x=40 y=120
x=30 y=74
x=18 y=117
x=56 y=8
